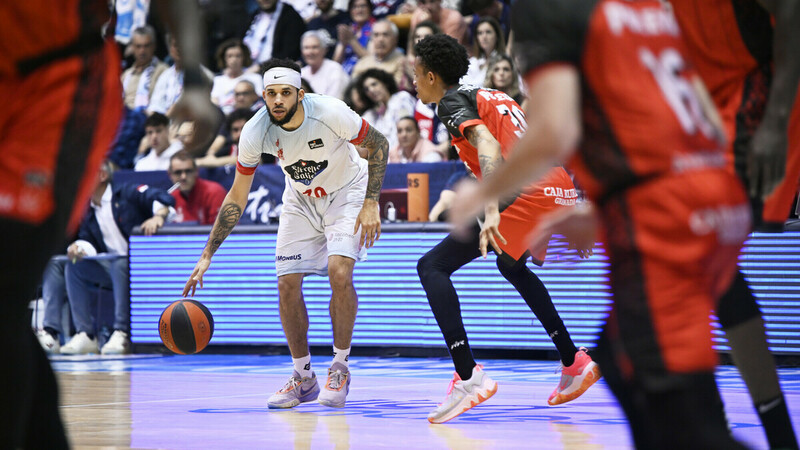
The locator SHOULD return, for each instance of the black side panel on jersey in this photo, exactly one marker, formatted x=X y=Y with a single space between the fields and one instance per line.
x=548 y=31
x=755 y=27
x=458 y=106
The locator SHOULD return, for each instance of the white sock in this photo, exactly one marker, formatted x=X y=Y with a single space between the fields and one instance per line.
x=341 y=356
x=303 y=365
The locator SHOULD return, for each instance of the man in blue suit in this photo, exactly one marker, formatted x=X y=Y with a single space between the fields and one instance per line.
x=113 y=213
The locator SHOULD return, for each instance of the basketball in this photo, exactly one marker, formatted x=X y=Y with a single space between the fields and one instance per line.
x=186 y=326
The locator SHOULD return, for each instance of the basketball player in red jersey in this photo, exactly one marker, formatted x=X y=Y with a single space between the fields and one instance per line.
x=485 y=124
x=611 y=91
x=60 y=83
x=745 y=63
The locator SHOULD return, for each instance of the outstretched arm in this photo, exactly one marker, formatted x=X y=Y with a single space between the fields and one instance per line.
x=369 y=219
x=490 y=157
x=228 y=217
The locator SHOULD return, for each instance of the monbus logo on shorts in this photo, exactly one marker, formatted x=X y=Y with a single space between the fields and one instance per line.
x=565 y=197
x=296 y=257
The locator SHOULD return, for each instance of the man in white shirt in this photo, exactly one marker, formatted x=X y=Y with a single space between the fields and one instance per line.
x=156 y=129
x=274 y=33
x=330 y=193
x=325 y=76
x=114 y=211
x=169 y=86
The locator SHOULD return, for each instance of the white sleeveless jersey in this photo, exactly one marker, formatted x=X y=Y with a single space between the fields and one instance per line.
x=317 y=158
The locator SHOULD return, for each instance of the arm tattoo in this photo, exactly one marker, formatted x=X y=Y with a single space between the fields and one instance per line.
x=489 y=153
x=378 y=148
x=228 y=217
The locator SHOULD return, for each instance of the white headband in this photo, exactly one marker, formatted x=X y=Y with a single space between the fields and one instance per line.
x=282 y=75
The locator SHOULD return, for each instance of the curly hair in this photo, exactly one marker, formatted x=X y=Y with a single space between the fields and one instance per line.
x=247 y=60
x=444 y=56
x=382 y=76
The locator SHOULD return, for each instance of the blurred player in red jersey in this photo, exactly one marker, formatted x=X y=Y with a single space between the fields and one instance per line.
x=485 y=124
x=746 y=64
x=611 y=92
x=60 y=82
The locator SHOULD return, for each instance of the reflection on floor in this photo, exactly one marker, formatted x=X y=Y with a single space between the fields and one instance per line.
x=219 y=401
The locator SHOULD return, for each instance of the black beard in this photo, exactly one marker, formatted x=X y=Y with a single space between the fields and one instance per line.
x=289 y=115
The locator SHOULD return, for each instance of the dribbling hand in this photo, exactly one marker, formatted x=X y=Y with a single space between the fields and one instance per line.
x=578 y=225
x=197 y=277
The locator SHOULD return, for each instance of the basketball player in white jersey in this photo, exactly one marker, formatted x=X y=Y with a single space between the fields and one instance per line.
x=331 y=193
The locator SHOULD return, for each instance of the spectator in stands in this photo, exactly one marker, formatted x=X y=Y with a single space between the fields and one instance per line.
x=245 y=96
x=353 y=98
x=169 y=86
x=422 y=30
x=383 y=54
x=274 y=33
x=496 y=9
x=138 y=84
x=488 y=43
x=325 y=21
x=139 y=81
x=449 y=21
x=410 y=146
x=502 y=75
x=225 y=148
x=156 y=129
x=115 y=210
x=306 y=8
x=232 y=58
x=196 y=200
x=324 y=75
x=385 y=103
x=354 y=37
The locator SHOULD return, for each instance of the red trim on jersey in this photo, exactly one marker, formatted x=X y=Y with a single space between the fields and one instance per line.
x=362 y=133
x=244 y=170
x=536 y=72
x=468 y=123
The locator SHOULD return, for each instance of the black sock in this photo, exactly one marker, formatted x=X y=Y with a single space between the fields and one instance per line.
x=461 y=354
x=566 y=348
x=777 y=424
x=52 y=332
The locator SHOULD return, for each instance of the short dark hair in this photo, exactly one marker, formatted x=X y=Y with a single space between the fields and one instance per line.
x=239 y=114
x=412 y=119
x=247 y=60
x=182 y=155
x=444 y=56
x=156 y=120
x=279 y=62
x=369 y=5
x=381 y=75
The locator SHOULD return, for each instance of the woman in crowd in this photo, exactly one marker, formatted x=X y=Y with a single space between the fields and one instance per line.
x=232 y=59
x=353 y=38
x=488 y=43
x=385 y=103
x=502 y=75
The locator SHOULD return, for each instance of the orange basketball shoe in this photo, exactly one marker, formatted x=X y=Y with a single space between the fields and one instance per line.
x=463 y=395
x=575 y=379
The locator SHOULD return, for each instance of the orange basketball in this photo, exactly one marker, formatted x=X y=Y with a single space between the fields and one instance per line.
x=186 y=326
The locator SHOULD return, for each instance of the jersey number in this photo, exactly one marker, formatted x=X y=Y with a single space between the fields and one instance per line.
x=317 y=192
x=516 y=116
x=678 y=92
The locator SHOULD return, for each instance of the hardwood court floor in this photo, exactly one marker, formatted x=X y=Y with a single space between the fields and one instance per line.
x=219 y=401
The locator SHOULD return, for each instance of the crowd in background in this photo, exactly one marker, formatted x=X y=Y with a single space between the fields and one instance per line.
x=360 y=51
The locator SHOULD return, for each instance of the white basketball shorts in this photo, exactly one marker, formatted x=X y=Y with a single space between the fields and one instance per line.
x=312 y=229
